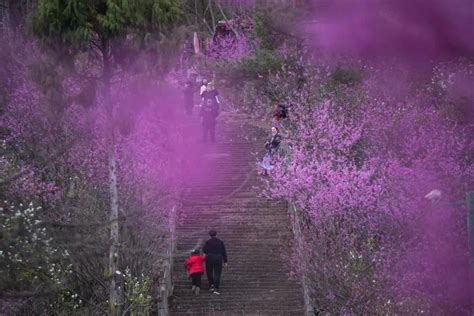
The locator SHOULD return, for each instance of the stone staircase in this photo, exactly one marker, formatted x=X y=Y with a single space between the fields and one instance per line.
x=223 y=193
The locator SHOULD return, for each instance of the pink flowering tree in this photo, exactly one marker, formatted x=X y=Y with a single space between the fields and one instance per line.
x=59 y=161
x=229 y=47
x=357 y=165
x=107 y=32
x=57 y=124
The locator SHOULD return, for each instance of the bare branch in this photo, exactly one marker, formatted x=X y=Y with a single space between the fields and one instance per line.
x=207 y=24
x=225 y=17
x=212 y=17
x=23 y=294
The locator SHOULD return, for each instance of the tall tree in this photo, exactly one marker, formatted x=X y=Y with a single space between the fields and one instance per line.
x=106 y=30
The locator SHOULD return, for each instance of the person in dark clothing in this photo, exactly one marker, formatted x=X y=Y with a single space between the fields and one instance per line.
x=210 y=93
x=215 y=255
x=188 y=98
x=272 y=144
x=203 y=86
x=209 y=112
x=271 y=147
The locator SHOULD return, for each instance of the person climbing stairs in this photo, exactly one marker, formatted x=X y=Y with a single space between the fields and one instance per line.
x=224 y=194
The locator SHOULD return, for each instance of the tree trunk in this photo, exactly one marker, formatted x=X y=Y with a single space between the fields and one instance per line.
x=195 y=12
x=115 y=294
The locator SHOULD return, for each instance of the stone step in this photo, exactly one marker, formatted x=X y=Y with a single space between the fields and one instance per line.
x=244 y=288
x=197 y=301
x=224 y=193
x=204 y=300
x=225 y=312
x=259 y=278
x=251 y=286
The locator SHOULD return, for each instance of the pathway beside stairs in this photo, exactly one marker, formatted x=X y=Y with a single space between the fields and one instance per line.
x=224 y=193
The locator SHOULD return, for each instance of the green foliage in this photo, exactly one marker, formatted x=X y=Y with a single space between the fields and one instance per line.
x=249 y=68
x=345 y=76
x=62 y=21
x=50 y=83
x=263 y=63
x=262 y=33
x=76 y=22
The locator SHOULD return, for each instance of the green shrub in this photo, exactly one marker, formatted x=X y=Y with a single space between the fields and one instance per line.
x=345 y=76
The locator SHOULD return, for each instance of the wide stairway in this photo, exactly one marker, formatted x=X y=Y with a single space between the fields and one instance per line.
x=224 y=193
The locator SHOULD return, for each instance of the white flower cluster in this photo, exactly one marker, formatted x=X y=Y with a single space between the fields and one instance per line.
x=137 y=288
x=27 y=242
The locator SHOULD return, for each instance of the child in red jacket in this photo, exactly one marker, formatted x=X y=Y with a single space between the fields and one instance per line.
x=194 y=265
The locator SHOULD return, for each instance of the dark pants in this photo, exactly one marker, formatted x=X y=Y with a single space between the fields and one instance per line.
x=188 y=104
x=189 y=109
x=209 y=128
x=196 y=279
x=214 y=269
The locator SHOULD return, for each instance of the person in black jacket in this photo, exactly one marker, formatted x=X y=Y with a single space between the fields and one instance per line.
x=210 y=93
x=215 y=255
x=188 y=97
x=209 y=112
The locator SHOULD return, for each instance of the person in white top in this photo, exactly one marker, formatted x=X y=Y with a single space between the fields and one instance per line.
x=203 y=87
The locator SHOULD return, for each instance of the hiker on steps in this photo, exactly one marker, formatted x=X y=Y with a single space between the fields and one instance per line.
x=215 y=255
x=195 y=266
x=210 y=93
x=203 y=87
x=271 y=147
x=209 y=113
x=188 y=97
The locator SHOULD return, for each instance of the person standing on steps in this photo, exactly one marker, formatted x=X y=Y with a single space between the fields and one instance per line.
x=203 y=87
x=211 y=93
x=215 y=256
x=271 y=147
x=209 y=112
x=195 y=267
x=188 y=99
